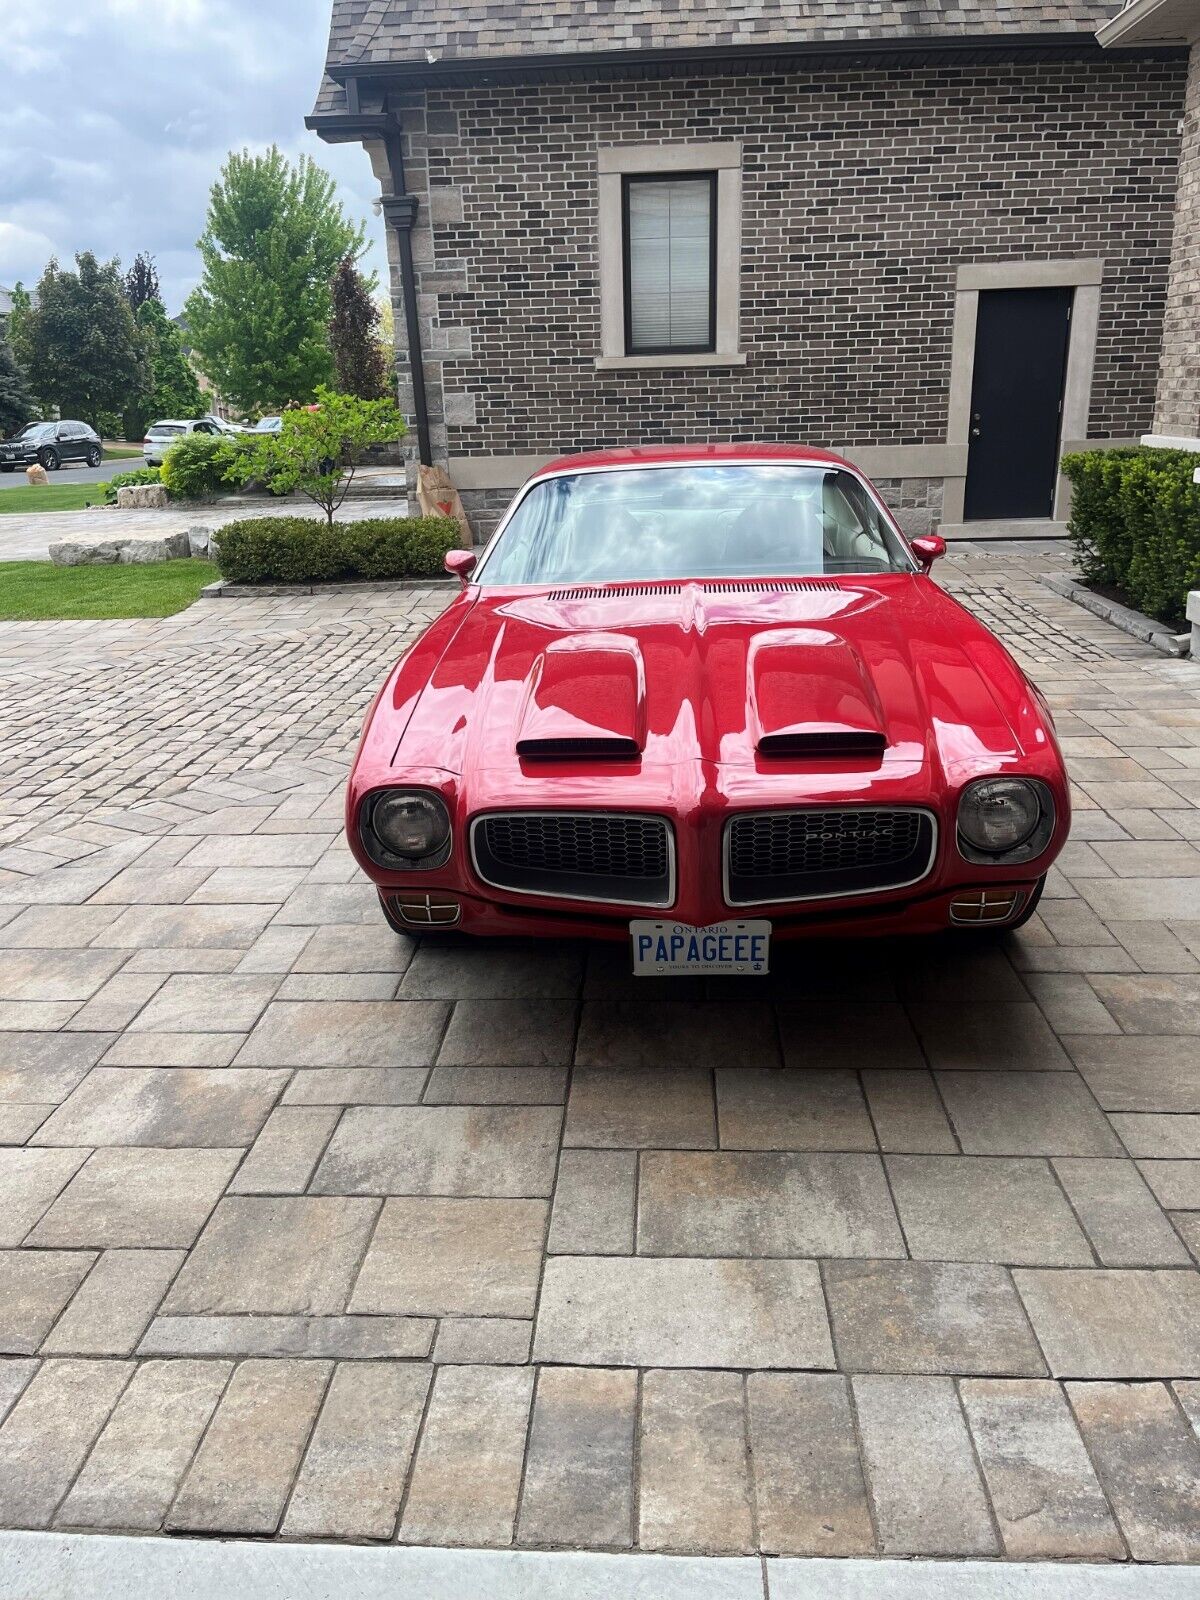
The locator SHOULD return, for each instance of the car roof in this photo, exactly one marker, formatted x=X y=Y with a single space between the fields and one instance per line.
x=692 y=455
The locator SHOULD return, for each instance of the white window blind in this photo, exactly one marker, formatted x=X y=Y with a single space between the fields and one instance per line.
x=669 y=241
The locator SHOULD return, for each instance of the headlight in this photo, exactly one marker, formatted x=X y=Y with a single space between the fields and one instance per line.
x=406 y=828
x=1010 y=817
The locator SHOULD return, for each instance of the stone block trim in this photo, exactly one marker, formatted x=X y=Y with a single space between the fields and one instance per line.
x=1177 y=412
x=863 y=193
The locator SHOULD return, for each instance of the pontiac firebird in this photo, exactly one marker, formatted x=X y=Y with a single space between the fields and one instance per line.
x=701 y=699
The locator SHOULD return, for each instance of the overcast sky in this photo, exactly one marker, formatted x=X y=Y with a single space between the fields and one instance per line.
x=115 y=117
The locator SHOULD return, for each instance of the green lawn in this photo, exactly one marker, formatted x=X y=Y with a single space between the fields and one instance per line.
x=121 y=452
x=49 y=497
x=32 y=591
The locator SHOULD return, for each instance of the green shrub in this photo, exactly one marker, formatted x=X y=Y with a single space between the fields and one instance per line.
x=1135 y=525
x=305 y=550
x=195 y=466
x=129 y=480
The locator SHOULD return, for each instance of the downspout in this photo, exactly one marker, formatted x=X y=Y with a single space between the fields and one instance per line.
x=400 y=209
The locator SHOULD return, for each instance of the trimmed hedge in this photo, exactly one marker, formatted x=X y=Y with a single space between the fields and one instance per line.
x=309 y=550
x=1135 y=525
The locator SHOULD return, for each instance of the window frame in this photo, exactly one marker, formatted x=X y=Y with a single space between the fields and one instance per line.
x=628 y=179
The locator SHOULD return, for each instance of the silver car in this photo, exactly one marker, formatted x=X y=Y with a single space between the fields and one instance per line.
x=162 y=435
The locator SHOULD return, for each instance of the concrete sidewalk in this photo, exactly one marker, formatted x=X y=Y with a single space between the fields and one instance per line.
x=88 y=1567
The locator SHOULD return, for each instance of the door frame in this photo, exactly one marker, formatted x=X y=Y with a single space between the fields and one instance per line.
x=974 y=277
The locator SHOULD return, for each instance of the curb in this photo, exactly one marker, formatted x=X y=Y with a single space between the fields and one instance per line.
x=92 y=1566
x=1129 y=621
x=223 y=589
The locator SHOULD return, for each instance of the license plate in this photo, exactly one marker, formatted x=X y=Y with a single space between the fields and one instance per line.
x=671 y=949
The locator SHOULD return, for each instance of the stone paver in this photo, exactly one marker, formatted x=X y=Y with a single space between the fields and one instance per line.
x=695 y=1485
x=241 y=1476
x=579 y=1471
x=131 y=1476
x=1045 y=1495
x=925 y=1487
x=639 y=1312
x=309 y=1231
x=356 y=1466
x=1148 y=1461
x=812 y=1499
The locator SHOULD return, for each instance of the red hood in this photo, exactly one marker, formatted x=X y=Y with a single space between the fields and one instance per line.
x=699 y=673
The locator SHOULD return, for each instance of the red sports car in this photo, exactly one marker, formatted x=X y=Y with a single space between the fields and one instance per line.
x=702 y=698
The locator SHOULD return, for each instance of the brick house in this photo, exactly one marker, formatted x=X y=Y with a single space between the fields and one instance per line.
x=934 y=234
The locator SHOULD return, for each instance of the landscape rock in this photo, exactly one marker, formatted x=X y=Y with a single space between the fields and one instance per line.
x=36 y=474
x=143 y=497
x=103 y=549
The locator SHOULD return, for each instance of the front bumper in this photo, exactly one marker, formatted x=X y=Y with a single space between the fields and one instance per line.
x=927 y=913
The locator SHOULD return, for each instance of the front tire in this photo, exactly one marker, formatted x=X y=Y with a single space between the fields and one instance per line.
x=8 y=469
x=49 y=459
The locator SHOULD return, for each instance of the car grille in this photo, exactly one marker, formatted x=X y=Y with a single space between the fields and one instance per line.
x=810 y=854
x=577 y=855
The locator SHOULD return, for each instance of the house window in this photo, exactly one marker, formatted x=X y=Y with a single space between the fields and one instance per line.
x=669 y=232
x=668 y=247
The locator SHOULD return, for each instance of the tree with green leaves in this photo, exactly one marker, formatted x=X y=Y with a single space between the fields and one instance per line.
x=355 y=336
x=18 y=323
x=17 y=405
x=259 y=318
x=318 y=447
x=80 y=342
x=141 y=282
x=174 y=389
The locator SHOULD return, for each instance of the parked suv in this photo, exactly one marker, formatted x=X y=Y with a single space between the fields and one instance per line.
x=50 y=444
x=163 y=435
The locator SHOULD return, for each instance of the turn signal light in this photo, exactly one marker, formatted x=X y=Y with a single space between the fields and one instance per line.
x=986 y=905
x=426 y=910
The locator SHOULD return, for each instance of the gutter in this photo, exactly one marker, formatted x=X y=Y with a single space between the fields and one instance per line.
x=400 y=210
x=674 y=61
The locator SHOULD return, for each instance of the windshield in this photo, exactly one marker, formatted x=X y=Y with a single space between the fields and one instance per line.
x=164 y=430
x=694 y=522
x=34 y=430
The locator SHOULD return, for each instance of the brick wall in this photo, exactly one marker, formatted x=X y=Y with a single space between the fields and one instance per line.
x=863 y=192
x=1177 y=410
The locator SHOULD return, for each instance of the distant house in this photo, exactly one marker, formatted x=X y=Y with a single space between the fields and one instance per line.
x=6 y=305
x=937 y=236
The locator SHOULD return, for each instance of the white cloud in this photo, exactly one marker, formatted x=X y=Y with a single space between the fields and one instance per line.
x=113 y=139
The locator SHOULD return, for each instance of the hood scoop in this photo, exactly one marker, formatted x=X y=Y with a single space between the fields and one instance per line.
x=812 y=696
x=585 y=697
x=829 y=741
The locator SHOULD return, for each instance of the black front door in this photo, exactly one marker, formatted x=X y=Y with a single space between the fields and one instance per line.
x=1016 y=401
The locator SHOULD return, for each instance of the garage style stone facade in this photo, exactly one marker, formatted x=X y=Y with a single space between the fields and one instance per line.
x=878 y=171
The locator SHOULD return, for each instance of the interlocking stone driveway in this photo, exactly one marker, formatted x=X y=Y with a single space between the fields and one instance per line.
x=306 y=1233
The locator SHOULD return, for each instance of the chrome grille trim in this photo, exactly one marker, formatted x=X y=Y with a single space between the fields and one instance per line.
x=658 y=889
x=789 y=885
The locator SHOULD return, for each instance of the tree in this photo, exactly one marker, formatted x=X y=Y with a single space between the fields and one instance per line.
x=18 y=323
x=259 y=317
x=80 y=342
x=318 y=448
x=354 y=336
x=16 y=403
x=174 y=389
x=141 y=282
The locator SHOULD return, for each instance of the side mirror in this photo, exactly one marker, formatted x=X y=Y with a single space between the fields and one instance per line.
x=928 y=549
x=460 y=564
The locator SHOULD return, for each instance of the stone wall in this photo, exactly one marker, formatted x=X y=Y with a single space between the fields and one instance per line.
x=1177 y=411
x=863 y=193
